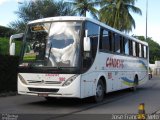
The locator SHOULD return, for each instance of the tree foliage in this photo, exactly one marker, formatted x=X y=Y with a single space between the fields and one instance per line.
x=84 y=6
x=116 y=13
x=5 y=31
x=29 y=11
x=154 y=48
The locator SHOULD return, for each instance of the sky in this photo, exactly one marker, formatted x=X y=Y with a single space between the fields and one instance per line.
x=8 y=8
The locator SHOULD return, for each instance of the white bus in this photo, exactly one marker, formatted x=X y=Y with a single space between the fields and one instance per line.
x=77 y=57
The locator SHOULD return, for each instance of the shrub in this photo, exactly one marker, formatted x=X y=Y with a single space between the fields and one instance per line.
x=6 y=32
x=4 y=46
x=8 y=73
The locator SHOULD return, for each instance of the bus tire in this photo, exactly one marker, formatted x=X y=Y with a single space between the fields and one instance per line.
x=135 y=84
x=99 y=91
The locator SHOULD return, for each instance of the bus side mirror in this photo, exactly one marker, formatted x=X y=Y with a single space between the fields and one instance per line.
x=12 y=48
x=12 y=45
x=87 y=43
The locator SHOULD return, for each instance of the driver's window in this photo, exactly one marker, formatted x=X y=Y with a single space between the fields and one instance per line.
x=35 y=42
x=93 y=33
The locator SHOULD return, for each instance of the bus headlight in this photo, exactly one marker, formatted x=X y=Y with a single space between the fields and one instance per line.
x=22 y=79
x=69 y=80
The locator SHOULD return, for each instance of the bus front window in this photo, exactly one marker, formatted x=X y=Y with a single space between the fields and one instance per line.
x=35 y=43
x=55 y=44
x=63 y=44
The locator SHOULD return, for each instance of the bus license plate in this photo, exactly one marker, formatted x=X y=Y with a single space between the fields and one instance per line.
x=43 y=94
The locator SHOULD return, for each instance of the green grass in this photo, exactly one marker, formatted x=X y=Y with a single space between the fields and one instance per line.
x=4 y=46
x=29 y=57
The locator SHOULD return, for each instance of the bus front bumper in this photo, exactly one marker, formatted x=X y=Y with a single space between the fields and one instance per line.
x=70 y=91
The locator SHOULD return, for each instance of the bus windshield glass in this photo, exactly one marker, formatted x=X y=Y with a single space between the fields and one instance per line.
x=55 y=44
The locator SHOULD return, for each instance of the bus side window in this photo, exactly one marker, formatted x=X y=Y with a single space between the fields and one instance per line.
x=93 y=33
x=117 y=43
x=104 y=41
x=137 y=49
x=130 y=47
x=142 y=48
x=122 y=48
x=126 y=46
x=145 y=51
x=94 y=43
x=111 y=40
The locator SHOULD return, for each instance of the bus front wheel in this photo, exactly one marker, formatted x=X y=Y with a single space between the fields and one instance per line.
x=99 y=91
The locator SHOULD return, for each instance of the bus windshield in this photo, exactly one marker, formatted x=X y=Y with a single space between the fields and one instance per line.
x=55 y=44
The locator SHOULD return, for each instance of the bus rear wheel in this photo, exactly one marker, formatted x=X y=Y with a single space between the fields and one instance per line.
x=135 y=84
x=99 y=91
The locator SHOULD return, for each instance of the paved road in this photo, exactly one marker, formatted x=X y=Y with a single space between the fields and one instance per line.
x=119 y=102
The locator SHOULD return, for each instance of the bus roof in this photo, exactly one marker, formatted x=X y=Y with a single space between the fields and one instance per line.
x=78 y=18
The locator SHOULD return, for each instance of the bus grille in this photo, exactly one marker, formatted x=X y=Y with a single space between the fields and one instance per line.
x=43 y=82
x=43 y=90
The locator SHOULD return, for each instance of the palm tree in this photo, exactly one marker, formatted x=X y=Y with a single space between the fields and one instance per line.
x=18 y=26
x=29 y=11
x=116 y=13
x=84 y=6
x=63 y=9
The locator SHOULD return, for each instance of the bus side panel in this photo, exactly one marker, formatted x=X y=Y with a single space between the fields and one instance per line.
x=121 y=70
x=88 y=83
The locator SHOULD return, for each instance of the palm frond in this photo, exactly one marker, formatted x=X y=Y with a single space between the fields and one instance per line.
x=116 y=13
x=29 y=11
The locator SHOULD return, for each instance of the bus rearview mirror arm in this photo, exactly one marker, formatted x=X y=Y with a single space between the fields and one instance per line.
x=12 y=45
x=86 y=42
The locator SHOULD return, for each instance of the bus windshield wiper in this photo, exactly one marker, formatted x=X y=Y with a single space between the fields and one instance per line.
x=57 y=66
x=49 y=51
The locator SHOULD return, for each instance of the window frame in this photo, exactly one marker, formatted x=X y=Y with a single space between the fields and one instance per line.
x=110 y=40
